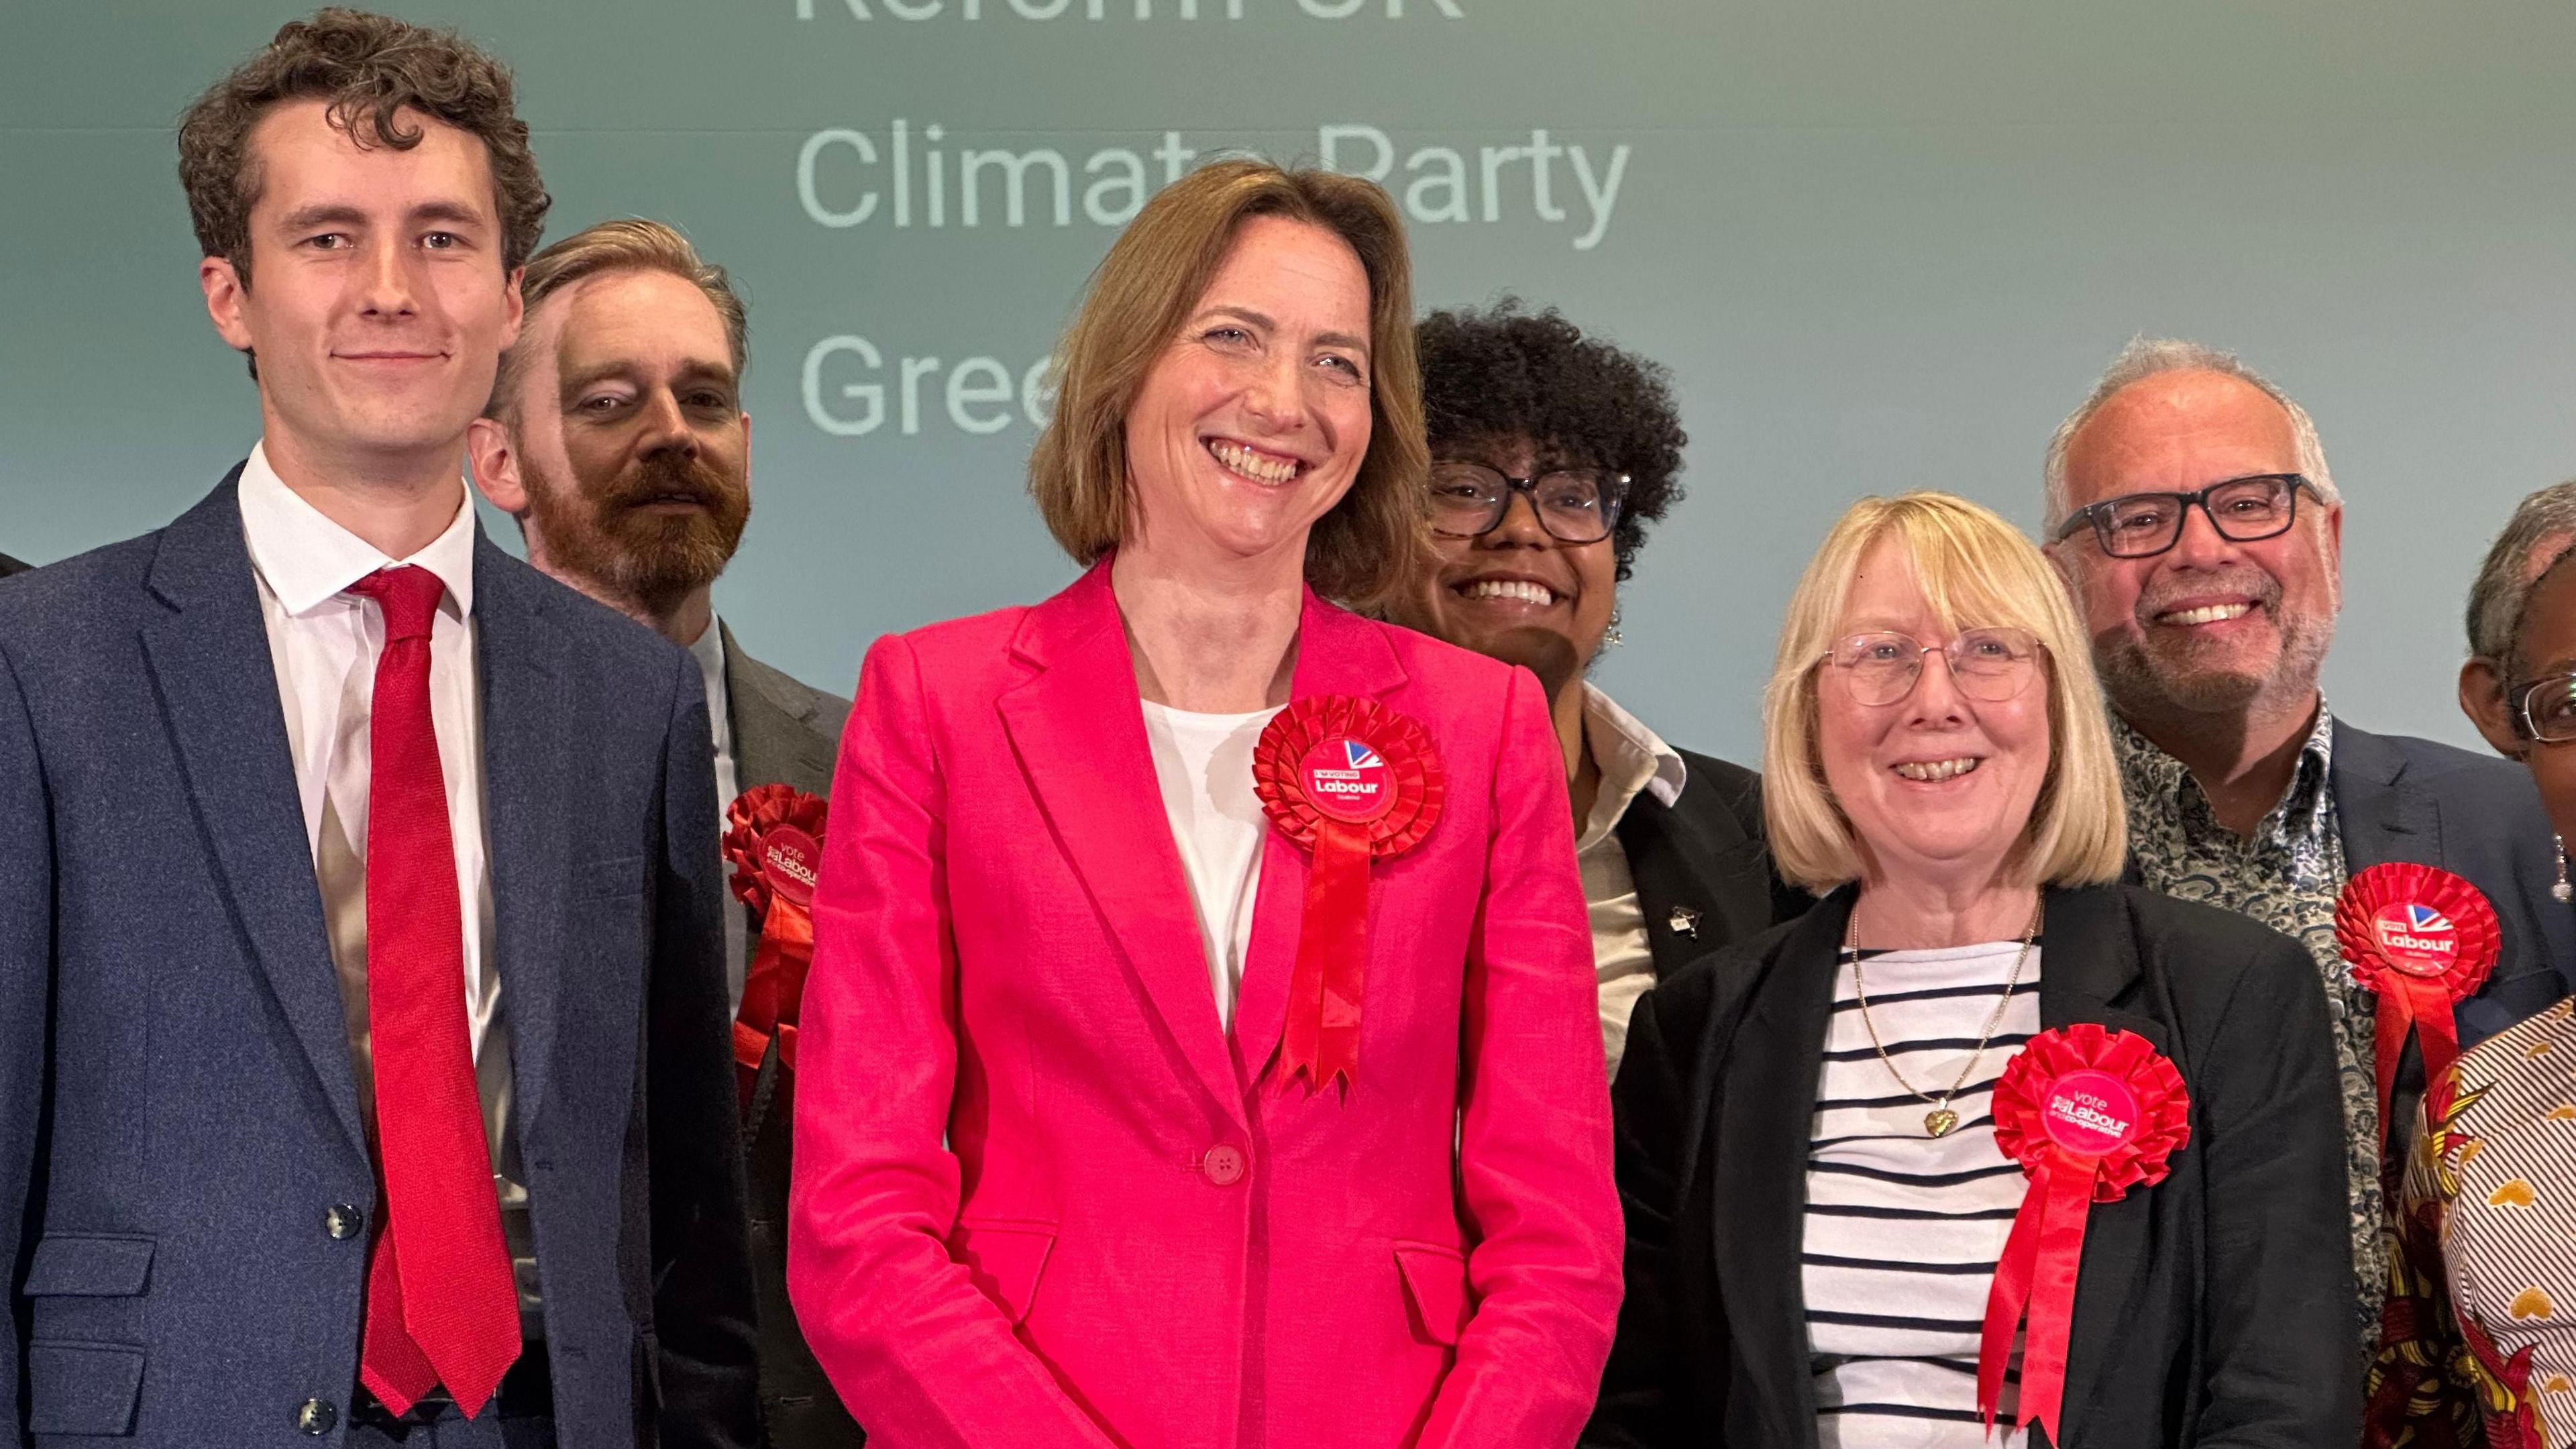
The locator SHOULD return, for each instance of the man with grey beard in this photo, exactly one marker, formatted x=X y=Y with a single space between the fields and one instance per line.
x=2190 y=510
x=616 y=437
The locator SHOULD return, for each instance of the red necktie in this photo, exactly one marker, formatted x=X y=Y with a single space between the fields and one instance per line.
x=441 y=1304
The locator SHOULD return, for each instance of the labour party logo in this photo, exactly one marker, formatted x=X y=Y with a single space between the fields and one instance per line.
x=2416 y=939
x=1345 y=780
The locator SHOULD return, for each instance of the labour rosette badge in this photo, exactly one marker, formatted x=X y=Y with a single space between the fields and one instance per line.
x=2089 y=1113
x=774 y=838
x=2420 y=939
x=1349 y=781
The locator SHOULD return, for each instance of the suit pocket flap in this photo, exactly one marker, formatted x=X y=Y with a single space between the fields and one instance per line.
x=82 y=1388
x=1005 y=1259
x=623 y=876
x=71 y=1265
x=1435 y=1281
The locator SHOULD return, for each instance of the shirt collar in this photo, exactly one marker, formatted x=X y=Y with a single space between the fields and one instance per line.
x=2148 y=773
x=307 y=560
x=1631 y=758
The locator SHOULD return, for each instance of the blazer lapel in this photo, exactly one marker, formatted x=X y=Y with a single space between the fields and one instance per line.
x=1337 y=653
x=2089 y=972
x=1764 y=1125
x=209 y=655
x=2380 y=816
x=527 y=809
x=1079 y=730
x=775 y=740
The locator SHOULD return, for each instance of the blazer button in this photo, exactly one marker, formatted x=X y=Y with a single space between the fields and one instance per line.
x=316 y=1416
x=1223 y=1165
x=342 y=1222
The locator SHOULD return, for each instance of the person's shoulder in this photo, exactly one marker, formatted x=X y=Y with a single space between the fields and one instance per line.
x=1691 y=992
x=1723 y=783
x=2430 y=760
x=2207 y=954
x=590 y=630
x=80 y=593
x=826 y=708
x=1439 y=663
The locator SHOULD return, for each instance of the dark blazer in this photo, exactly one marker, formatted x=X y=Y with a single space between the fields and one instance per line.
x=1703 y=877
x=2213 y=1308
x=178 y=1110
x=10 y=566
x=2476 y=816
x=784 y=733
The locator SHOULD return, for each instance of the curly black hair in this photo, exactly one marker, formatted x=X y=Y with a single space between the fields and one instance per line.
x=1503 y=373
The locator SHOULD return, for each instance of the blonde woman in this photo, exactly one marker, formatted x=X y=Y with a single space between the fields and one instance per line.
x=1816 y=1195
x=1084 y=1154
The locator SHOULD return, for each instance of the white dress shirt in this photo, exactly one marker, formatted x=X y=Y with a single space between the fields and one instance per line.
x=709 y=652
x=1631 y=759
x=324 y=643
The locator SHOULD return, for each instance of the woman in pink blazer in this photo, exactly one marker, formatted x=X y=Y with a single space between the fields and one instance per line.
x=1084 y=1158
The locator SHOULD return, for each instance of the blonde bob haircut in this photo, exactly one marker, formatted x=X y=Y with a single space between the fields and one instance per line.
x=1139 y=299
x=1976 y=571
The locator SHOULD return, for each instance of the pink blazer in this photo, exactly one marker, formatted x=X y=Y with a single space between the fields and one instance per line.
x=1132 y=1234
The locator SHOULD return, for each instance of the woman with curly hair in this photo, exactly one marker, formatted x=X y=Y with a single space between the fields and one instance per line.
x=1551 y=452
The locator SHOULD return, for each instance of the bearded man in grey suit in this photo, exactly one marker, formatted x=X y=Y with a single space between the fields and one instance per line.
x=616 y=437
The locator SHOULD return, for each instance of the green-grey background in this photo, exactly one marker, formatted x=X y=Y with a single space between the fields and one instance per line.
x=1881 y=243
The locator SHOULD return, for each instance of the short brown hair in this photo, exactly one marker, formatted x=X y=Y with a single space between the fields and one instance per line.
x=631 y=244
x=1371 y=541
x=367 y=67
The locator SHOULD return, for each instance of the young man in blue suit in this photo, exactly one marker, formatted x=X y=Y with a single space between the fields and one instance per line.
x=2190 y=509
x=363 y=1068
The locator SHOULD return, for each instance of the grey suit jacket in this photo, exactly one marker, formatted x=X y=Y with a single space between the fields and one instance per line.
x=178 y=1109
x=784 y=733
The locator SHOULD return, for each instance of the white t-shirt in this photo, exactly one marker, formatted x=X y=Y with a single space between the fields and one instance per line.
x=1204 y=764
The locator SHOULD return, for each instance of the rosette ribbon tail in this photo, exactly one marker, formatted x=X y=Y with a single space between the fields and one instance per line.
x=771 y=990
x=2037 y=1273
x=1322 y=1033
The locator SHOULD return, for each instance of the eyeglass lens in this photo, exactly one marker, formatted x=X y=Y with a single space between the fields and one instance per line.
x=2244 y=510
x=1987 y=664
x=2549 y=708
x=1575 y=505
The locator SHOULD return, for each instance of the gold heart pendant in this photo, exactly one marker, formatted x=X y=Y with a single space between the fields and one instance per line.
x=1939 y=1121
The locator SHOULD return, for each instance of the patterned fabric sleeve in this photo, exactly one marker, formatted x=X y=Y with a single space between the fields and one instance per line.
x=2422 y=1391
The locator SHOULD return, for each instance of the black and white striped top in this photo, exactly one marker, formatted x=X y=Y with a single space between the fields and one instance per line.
x=1903 y=1229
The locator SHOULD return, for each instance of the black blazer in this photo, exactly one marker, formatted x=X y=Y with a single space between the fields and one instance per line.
x=10 y=566
x=179 y=1117
x=1703 y=877
x=2213 y=1308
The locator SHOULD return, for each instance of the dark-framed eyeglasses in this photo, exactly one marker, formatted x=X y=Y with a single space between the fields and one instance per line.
x=1990 y=664
x=1574 y=505
x=2544 y=709
x=2243 y=510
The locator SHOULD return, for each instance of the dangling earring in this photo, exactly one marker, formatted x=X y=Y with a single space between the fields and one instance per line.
x=1610 y=636
x=2561 y=890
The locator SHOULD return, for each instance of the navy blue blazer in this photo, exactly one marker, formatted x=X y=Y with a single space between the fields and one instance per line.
x=2477 y=816
x=178 y=1111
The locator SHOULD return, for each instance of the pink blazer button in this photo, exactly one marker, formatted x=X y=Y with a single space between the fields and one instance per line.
x=1223 y=1165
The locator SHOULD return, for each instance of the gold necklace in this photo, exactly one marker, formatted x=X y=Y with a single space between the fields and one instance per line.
x=1941 y=1119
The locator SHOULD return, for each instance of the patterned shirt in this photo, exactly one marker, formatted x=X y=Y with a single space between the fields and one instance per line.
x=2288 y=876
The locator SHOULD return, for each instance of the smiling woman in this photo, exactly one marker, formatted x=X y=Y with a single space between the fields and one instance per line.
x=1936 y=758
x=1183 y=910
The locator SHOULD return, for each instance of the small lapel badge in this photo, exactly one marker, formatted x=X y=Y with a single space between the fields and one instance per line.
x=1684 y=922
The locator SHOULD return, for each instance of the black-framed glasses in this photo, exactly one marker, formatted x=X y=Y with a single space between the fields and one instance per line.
x=2544 y=709
x=2243 y=510
x=1991 y=664
x=1574 y=505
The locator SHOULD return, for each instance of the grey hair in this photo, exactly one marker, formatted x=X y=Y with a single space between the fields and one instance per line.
x=2147 y=357
x=2540 y=533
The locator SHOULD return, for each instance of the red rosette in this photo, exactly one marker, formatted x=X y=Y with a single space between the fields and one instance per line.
x=1350 y=781
x=2090 y=1114
x=774 y=838
x=2421 y=940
